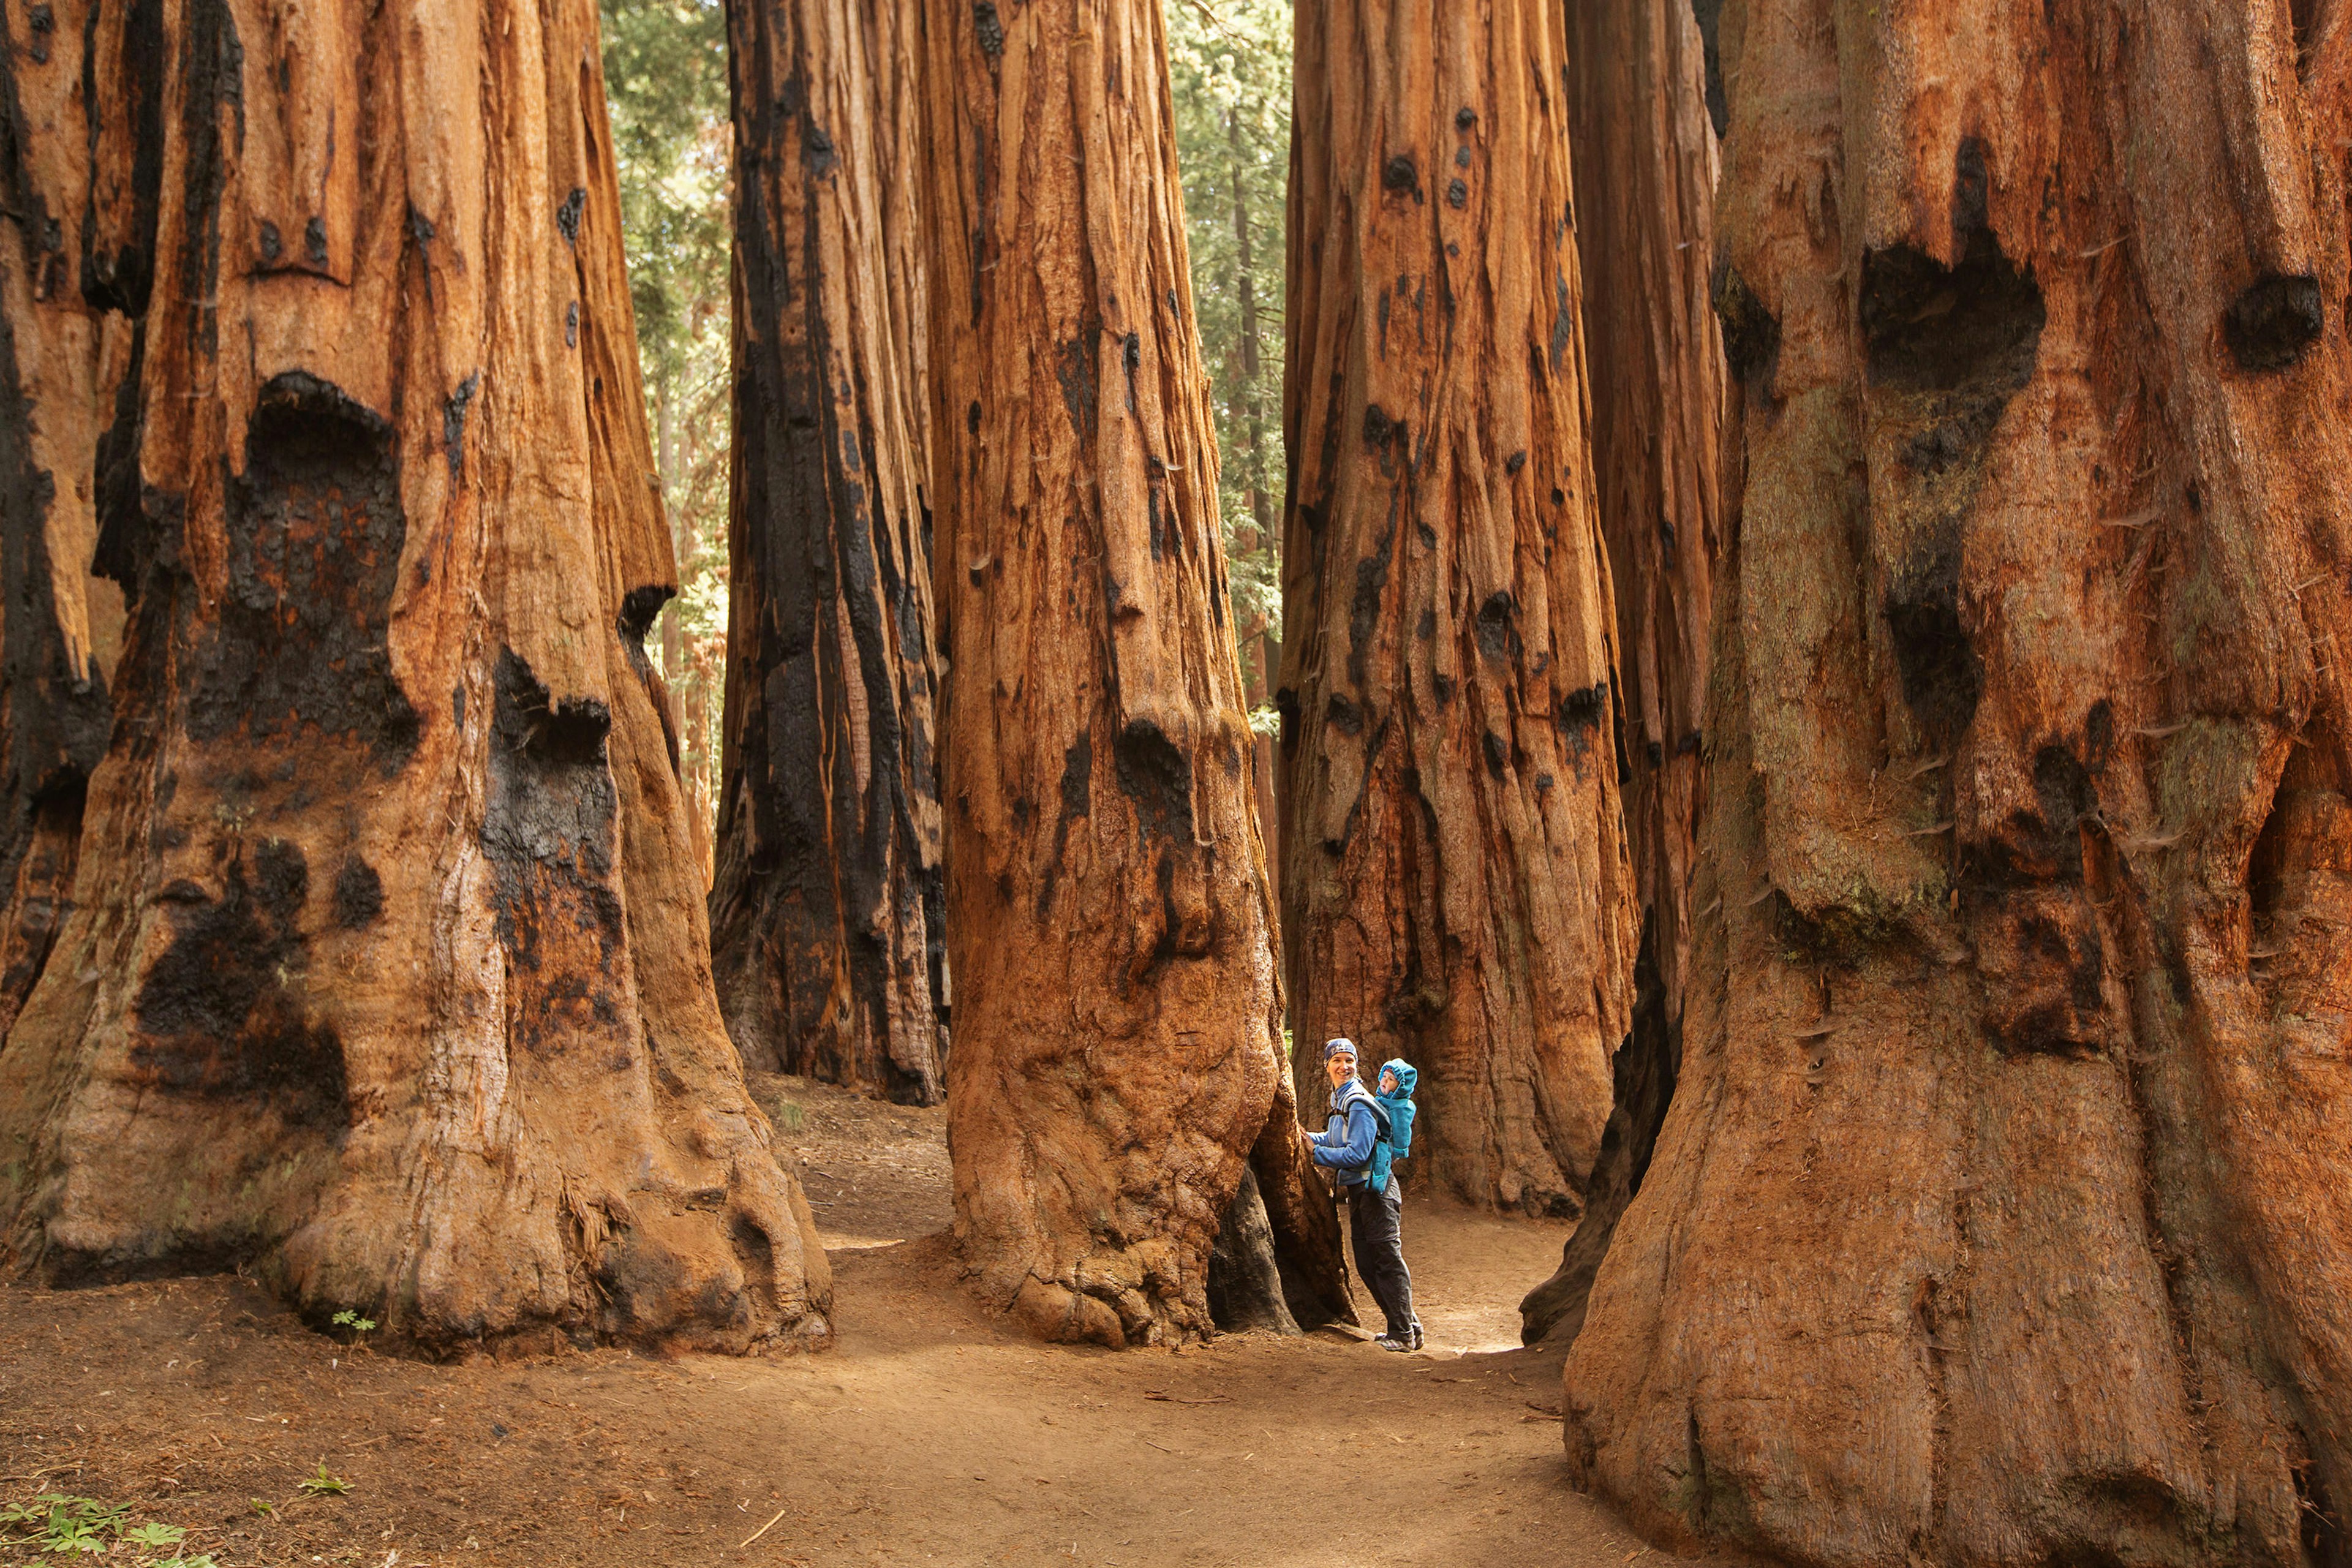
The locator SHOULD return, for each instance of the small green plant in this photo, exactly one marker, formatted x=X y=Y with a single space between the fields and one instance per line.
x=359 y=1326
x=152 y=1534
x=321 y=1484
x=790 y=1117
x=264 y=1510
x=63 y=1525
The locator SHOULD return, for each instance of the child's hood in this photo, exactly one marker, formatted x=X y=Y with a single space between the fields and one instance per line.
x=1405 y=1075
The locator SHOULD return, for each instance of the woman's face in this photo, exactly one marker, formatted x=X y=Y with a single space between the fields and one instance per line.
x=1339 y=1066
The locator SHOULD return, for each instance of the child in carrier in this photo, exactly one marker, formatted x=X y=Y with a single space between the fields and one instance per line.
x=1395 y=1095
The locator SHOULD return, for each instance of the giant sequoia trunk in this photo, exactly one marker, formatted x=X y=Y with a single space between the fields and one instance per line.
x=384 y=970
x=1455 y=885
x=1117 y=1061
x=63 y=355
x=1645 y=170
x=825 y=908
x=1999 y=1217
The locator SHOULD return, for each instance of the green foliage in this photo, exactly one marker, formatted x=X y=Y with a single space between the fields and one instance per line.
x=321 y=1484
x=1229 y=68
x=152 y=1534
x=666 y=83
x=666 y=80
x=60 y=1525
x=359 y=1326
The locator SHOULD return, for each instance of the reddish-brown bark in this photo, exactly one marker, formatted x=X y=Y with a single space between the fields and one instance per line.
x=1646 y=172
x=1455 y=884
x=1999 y=1218
x=61 y=358
x=1117 y=1059
x=385 y=973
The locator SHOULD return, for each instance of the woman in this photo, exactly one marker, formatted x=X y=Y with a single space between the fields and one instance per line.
x=1357 y=1128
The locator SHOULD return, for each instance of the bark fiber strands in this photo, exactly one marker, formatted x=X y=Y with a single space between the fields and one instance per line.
x=1999 y=1216
x=386 y=970
x=1646 y=172
x=1455 y=885
x=1116 y=1050
x=825 y=908
x=62 y=357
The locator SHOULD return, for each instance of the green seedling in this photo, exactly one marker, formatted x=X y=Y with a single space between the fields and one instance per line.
x=322 y=1484
x=264 y=1510
x=359 y=1326
x=63 y=1525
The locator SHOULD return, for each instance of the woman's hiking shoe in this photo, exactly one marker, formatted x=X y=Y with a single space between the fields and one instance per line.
x=1390 y=1342
x=1416 y=1336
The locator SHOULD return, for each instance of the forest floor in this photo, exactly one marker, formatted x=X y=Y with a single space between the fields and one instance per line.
x=930 y=1433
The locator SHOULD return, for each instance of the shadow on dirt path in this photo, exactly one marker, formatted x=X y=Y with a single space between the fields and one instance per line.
x=929 y=1435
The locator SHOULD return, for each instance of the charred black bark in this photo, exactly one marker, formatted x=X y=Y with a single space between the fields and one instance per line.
x=1244 y=1268
x=1644 y=1069
x=826 y=907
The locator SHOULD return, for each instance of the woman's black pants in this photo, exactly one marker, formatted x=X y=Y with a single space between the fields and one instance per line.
x=1372 y=1226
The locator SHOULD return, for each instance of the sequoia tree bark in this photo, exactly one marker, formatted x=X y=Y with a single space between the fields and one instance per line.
x=2000 y=1215
x=386 y=970
x=825 y=908
x=1455 y=885
x=1646 y=172
x=1117 y=1061
x=61 y=358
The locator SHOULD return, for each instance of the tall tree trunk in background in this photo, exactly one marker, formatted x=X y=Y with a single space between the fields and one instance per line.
x=673 y=635
x=1645 y=171
x=1999 y=1217
x=1117 y=1059
x=1258 y=660
x=385 y=973
x=1455 y=885
x=666 y=472
x=62 y=358
x=1246 y=286
x=825 y=910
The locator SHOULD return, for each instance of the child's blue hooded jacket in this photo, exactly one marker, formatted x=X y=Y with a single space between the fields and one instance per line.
x=1399 y=1110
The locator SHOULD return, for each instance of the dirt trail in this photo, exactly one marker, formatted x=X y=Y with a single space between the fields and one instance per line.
x=929 y=1435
